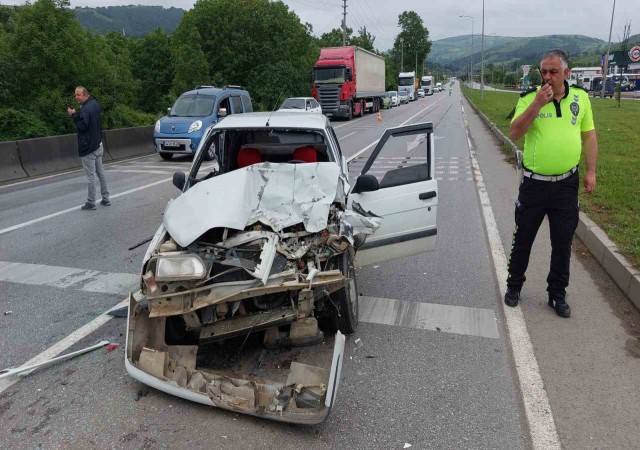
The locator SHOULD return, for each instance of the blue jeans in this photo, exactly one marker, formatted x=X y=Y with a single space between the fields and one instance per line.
x=92 y=165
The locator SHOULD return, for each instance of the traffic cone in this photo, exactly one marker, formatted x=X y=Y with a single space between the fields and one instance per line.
x=379 y=117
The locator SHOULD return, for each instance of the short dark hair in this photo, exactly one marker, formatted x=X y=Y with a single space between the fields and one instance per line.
x=83 y=89
x=557 y=53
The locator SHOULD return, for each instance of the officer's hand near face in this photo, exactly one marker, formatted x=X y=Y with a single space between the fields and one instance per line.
x=544 y=95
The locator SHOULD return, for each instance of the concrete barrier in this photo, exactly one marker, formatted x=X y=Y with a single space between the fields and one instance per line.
x=41 y=156
x=10 y=167
x=128 y=142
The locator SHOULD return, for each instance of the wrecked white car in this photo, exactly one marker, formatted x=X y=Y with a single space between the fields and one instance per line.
x=248 y=287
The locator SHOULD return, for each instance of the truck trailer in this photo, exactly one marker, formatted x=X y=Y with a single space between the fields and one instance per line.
x=348 y=80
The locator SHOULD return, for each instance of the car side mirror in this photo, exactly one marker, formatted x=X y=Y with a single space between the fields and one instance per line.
x=222 y=112
x=178 y=180
x=169 y=110
x=366 y=183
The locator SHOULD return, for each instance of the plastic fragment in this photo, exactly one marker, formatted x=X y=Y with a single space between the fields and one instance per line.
x=406 y=445
x=112 y=347
x=8 y=313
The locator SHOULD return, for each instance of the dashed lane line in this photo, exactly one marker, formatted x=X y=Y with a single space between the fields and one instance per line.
x=76 y=208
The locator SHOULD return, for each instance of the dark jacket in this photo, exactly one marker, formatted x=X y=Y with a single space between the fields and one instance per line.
x=89 y=124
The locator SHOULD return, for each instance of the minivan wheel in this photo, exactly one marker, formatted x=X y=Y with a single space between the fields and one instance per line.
x=166 y=156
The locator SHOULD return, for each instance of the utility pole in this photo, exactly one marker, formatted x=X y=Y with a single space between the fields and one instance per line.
x=482 y=64
x=606 y=59
x=344 y=22
x=402 y=55
x=471 y=56
x=416 y=64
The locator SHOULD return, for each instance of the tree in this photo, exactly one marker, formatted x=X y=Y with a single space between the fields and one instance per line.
x=334 y=38
x=251 y=42
x=364 y=39
x=189 y=61
x=153 y=70
x=413 y=38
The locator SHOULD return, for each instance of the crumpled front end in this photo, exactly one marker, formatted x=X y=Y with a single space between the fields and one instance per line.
x=250 y=320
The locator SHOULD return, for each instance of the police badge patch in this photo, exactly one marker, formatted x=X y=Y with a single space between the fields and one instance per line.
x=575 y=109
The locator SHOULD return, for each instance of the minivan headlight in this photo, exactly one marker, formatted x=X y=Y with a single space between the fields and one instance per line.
x=179 y=267
x=195 y=126
x=157 y=127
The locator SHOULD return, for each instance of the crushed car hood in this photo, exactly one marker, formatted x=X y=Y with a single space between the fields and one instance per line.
x=277 y=195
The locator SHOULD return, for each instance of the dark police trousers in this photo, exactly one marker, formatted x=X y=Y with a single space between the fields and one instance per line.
x=559 y=201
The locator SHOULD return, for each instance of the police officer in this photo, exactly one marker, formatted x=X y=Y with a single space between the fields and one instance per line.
x=557 y=123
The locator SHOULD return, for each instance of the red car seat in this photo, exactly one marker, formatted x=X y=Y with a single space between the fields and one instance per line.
x=306 y=154
x=248 y=156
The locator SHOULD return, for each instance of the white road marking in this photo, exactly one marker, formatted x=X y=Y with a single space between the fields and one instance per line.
x=348 y=135
x=544 y=435
x=155 y=172
x=31 y=180
x=65 y=343
x=429 y=316
x=358 y=153
x=76 y=208
x=68 y=277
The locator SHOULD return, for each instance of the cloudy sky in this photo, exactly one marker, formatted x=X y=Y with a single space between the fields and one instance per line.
x=502 y=17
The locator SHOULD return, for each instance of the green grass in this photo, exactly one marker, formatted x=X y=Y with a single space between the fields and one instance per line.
x=615 y=203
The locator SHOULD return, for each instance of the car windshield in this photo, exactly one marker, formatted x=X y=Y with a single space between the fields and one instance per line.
x=293 y=103
x=193 y=105
x=426 y=83
x=236 y=148
x=393 y=93
x=329 y=75
x=405 y=82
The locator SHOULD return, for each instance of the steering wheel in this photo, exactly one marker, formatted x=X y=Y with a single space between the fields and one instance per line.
x=296 y=161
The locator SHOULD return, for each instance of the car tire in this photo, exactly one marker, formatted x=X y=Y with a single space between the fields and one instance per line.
x=342 y=307
x=166 y=156
x=350 y=116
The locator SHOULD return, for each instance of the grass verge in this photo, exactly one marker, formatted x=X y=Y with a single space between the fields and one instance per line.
x=615 y=203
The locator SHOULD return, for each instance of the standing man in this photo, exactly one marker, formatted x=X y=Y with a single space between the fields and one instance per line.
x=88 y=121
x=557 y=124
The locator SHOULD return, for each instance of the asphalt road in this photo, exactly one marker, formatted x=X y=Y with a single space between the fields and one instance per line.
x=450 y=385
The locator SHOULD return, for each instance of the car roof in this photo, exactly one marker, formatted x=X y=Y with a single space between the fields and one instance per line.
x=276 y=119
x=212 y=90
x=299 y=98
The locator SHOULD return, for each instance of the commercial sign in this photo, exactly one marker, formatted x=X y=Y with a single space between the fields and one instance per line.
x=634 y=54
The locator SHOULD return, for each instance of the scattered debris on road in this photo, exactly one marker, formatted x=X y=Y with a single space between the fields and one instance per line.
x=26 y=370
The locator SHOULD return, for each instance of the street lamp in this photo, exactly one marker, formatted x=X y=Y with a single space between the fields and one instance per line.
x=471 y=56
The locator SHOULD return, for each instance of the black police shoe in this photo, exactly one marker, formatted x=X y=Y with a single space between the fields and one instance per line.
x=88 y=207
x=561 y=307
x=512 y=297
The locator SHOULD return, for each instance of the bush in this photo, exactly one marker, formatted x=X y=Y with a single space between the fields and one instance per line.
x=19 y=124
x=122 y=116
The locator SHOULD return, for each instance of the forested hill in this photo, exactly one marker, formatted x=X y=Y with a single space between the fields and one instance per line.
x=136 y=21
x=454 y=52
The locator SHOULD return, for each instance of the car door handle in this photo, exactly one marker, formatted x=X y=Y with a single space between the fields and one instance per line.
x=427 y=195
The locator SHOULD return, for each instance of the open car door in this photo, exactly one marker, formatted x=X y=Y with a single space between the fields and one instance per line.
x=397 y=183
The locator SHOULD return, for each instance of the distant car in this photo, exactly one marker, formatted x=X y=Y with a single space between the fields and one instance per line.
x=404 y=97
x=395 y=99
x=301 y=104
x=420 y=92
x=609 y=89
x=180 y=131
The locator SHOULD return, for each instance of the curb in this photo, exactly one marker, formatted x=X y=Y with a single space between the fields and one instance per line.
x=597 y=242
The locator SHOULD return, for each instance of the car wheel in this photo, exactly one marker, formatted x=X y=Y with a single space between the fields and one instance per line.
x=343 y=305
x=166 y=156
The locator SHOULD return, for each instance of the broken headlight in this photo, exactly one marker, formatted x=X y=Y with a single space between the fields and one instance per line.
x=179 y=267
